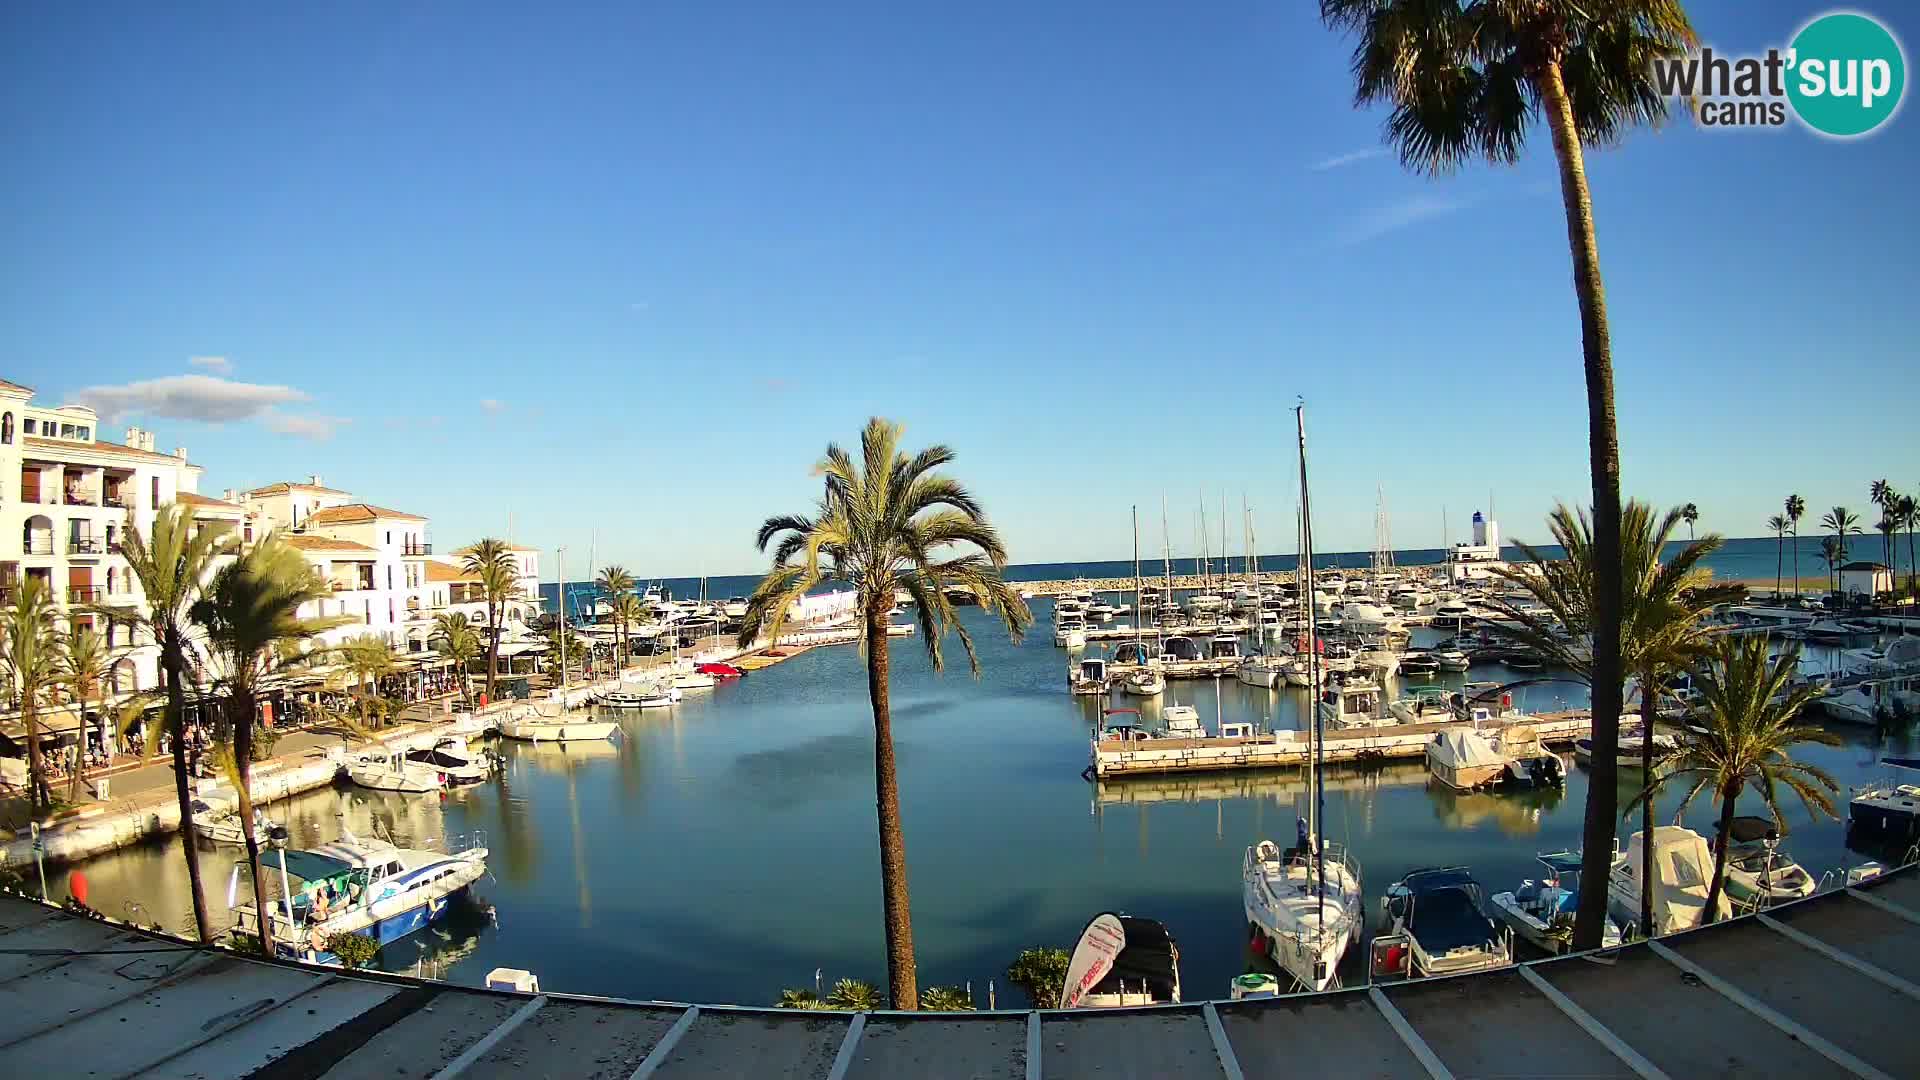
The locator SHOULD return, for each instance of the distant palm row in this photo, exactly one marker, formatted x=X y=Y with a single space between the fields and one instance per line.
x=1897 y=512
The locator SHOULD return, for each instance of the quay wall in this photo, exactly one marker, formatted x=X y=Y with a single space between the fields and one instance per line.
x=1293 y=749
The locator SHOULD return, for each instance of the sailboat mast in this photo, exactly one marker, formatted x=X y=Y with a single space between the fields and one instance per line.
x=1317 y=792
x=560 y=559
x=1139 y=611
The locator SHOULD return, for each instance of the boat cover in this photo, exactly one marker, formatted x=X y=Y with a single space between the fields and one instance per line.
x=1746 y=829
x=305 y=865
x=1449 y=918
x=1150 y=956
x=1468 y=750
x=437 y=759
x=1562 y=862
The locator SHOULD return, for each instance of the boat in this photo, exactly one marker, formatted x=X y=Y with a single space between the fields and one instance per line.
x=1534 y=772
x=1465 y=759
x=1426 y=705
x=1683 y=864
x=1837 y=630
x=1451 y=659
x=1223 y=647
x=389 y=770
x=1352 y=701
x=222 y=825
x=735 y=607
x=1302 y=671
x=1132 y=961
x=1632 y=752
x=1254 y=984
x=1868 y=703
x=1541 y=912
x=366 y=887
x=721 y=671
x=1524 y=661
x=1091 y=678
x=646 y=697
x=1337 y=656
x=1180 y=648
x=1145 y=683
x=1261 y=669
x=1420 y=665
x=565 y=727
x=1436 y=915
x=1758 y=874
x=455 y=760
x=1293 y=921
x=1182 y=722
x=1888 y=810
x=1070 y=633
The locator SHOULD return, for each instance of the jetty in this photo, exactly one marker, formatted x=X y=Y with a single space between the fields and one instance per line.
x=1825 y=986
x=1293 y=749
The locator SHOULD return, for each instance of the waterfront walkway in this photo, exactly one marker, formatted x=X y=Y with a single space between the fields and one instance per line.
x=1828 y=986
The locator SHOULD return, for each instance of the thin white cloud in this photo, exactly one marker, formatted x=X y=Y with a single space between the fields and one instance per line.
x=1354 y=157
x=492 y=406
x=316 y=426
x=188 y=397
x=219 y=365
x=1395 y=216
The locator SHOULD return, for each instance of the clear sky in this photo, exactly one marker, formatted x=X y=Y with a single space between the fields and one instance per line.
x=624 y=272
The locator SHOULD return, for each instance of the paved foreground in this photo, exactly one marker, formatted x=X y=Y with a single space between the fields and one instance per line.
x=1824 y=987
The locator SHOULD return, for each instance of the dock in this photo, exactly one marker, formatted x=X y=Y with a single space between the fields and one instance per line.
x=1825 y=986
x=1293 y=749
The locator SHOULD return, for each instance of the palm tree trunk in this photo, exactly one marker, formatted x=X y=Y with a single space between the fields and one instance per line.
x=1779 y=563
x=901 y=982
x=1913 y=568
x=39 y=798
x=493 y=650
x=1603 y=447
x=1648 y=709
x=242 y=726
x=80 y=762
x=1796 y=560
x=176 y=723
x=1727 y=797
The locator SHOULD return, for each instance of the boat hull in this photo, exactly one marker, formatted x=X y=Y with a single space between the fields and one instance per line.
x=583 y=731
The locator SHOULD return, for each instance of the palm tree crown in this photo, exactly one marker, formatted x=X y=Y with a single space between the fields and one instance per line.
x=455 y=638
x=84 y=664
x=32 y=657
x=491 y=560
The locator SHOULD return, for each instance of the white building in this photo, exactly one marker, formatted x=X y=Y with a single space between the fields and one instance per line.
x=374 y=558
x=1867 y=579
x=1476 y=561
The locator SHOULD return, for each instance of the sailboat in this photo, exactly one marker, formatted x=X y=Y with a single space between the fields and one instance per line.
x=551 y=721
x=1304 y=907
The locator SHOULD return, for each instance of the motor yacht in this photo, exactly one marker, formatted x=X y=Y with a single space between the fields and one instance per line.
x=390 y=770
x=1437 y=916
x=1542 y=911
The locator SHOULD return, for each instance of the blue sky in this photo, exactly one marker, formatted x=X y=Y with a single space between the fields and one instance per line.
x=622 y=273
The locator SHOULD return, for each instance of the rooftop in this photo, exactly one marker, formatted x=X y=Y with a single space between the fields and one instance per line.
x=356 y=513
x=100 y=447
x=283 y=488
x=303 y=542
x=191 y=498
x=468 y=550
x=439 y=571
x=5 y=385
x=1821 y=987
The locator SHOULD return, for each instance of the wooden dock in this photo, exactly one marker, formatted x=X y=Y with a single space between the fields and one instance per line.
x=1293 y=749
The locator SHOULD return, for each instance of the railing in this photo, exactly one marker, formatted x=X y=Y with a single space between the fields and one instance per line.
x=84 y=594
x=83 y=545
x=416 y=549
x=77 y=498
x=42 y=546
x=116 y=501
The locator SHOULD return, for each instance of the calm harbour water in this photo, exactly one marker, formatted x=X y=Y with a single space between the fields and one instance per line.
x=726 y=848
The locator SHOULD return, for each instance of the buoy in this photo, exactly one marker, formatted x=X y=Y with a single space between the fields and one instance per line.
x=77 y=886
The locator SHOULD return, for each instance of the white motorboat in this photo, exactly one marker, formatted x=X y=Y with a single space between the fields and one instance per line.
x=1887 y=811
x=1452 y=659
x=453 y=758
x=1091 y=677
x=1337 y=656
x=692 y=680
x=1632 y=749
x=736 y=607
x=1435 y=915
x=1145 y=683
x=1100 y=611
x=222 y=825
x=1419 y=665
x=1182 y=722
x=565 y=727
x=1205 y=602
x=390 y=770
x=1759 y=874
x=1542 y=911
x=1300 y=672
x=1352 y=702
x=1302 y=927
x=1260 y=669
x=1465 y=759
x=364 y=887
x=1870 y=702
x=1425 y=705
x=1223 y=647
x=1683 y=864
x=1070 y=633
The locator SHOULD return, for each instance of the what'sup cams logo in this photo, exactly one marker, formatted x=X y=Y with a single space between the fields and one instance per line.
x=1843 y=76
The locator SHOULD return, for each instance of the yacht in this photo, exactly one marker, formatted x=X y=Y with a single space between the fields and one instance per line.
x=1205 y=602
x=1438 y=913
x=1465 y=759
x=1425 y=705
x=1100 y=611
x=1682 y=862
x=1145 y=683
x=1451 y=659
x=1533 y=772
x=1262 y=669
x=1182 y=722
x=455 y=760
x=1419 y=664
x=1070 y=632
x=1632 y=749
x=1091 y=678
x=353 y=886
x=641 y=696
x=1352 y=702
x=1301 y=671
x=389 y=769
x=1337 y=656
x=1300 y=926
x=736 y=607
x=1542 y=911
x=1223 y=647
x=1759 y=874
x=1180 y=647
x=222 y=825
x=1867 y=703
x=1888 y=810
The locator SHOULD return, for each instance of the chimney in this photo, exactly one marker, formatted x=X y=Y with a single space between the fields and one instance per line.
x=133 y=437
x=180 y=452
x=146 y=441
x=314 y=480
x=230 y=495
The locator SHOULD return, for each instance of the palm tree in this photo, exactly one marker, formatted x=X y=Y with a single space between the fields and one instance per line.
x=172 y=569
x=1909 y=514
x=1888 y=525
x=84 y=663
x=1841 y=521
x=491 y=560
x=1467 y=80
x=569 y=648
x=1749 y=709
x=791 y=998
x=1796 y=507
x=1833 y=554
x=946 y=999
x=1882 y=495
x=250 y=613
x=856 y=995
x=367 y=658
x=1690 y=514
x=454 y=638
x=1778 y=523
x=627 y=611
x=883 y=524
x=1663 y=606
x=32 y=655
x=615 y=583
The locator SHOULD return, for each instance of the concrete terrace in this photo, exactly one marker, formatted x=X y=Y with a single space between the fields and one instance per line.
x=1828 y=986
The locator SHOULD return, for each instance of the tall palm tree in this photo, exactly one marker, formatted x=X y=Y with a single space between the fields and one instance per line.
x=454 y=637
x=1662 y=609
x=172 y=568
x=1690 y=514
x=84 y=664
x=1882 y=495
x=250 y=613
x=1778 y=523
x=1909 y=514
x=1796 y=508
x=366 y=659
x=627 y=611
x=884 y=523
x=615 y=583
x=32 y=656
x=491 y=560
x=1840 y=521
x=1467 y=80
x=1888 y=525
x=1832 y=553
x=1749 y=710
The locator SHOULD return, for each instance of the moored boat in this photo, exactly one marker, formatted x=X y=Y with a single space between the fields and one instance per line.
x=1541 y=912
x=1759 y=874
x=1682 y=863
x=1302 y=927
x=1465 y=759
x=390 y=770
x=1436 y=916
x=566 y=727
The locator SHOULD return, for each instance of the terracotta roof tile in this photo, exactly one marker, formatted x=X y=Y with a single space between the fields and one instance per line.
x=283 y=488
x=192 y=498
x=439 y=571
x=98 y=447
x=322 y=543
x=356 y=512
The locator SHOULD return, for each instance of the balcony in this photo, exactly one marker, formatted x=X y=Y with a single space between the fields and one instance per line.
x=416 y=549
x=37 y=545
x=85 y=594
x=82 y=498
x=85 y=545
x=116 y=500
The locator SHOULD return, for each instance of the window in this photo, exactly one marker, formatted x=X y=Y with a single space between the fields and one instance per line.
x=66 y=431
x=6 y=428
x=389 y=537
x=156 y=492
x=85 y=434
x=31 y=424
x=389 y=569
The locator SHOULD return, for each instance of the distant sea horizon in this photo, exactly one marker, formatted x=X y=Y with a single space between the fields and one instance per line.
x=1740 y=559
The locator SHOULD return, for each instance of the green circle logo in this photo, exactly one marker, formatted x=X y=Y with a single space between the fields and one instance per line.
x=1847 y=74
